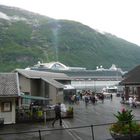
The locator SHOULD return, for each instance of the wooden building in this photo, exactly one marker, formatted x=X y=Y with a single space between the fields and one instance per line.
x=43 y=84
x=131 y=83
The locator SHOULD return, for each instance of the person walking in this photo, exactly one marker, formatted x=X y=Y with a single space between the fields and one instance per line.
x=135 y=102
x=86 y=100
x=111 y=97
x=130 y=101
x=122 y=96
x=57 y=110
x=102 y=98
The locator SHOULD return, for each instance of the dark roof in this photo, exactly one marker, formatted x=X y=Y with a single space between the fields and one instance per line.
x=49 y=77
x=132 y=77
x=53 y=82
x=9 y=85
x=41 y=74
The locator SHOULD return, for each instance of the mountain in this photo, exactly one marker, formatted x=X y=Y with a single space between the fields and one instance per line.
x=26 y=38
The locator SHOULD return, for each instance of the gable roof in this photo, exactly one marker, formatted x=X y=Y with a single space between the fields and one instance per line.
x=49 y=77
x=132 y=77
x=53 y=82
x=9 y=85
x=41 y=74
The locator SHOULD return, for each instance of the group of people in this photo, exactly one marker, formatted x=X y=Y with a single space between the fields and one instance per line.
x=132 y=101
x=93 y=98
x=88 y=97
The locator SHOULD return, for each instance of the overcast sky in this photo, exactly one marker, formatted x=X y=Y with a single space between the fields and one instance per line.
x=118 y=17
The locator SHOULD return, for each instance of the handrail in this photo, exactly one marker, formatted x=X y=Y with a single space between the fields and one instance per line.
x=56 y=129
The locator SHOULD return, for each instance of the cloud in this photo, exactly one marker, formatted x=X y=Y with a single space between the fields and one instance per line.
x=4 y=16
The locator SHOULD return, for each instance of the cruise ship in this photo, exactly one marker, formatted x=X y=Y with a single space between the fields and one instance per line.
x=83 y=79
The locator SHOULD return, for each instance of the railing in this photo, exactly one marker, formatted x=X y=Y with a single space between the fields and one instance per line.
x=40 y=131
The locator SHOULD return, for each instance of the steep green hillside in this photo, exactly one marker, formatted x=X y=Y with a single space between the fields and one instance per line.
x=26 y=38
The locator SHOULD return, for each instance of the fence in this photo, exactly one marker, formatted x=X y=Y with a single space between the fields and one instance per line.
x=39 y=133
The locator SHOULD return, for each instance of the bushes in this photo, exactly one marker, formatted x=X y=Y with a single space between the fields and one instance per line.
x=70 y=111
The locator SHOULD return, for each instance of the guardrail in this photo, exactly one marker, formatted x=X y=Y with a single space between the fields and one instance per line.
x=62 y=129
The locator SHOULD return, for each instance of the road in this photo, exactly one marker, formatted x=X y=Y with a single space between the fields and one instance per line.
x=100 y=113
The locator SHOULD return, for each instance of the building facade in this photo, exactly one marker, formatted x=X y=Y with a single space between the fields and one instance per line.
x=43 y=84
x=9 y=93
x=131 y=83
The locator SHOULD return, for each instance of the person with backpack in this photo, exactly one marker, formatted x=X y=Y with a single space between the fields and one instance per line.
x=57 y=110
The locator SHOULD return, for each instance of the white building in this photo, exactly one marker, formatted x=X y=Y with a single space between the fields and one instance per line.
x=9 y=92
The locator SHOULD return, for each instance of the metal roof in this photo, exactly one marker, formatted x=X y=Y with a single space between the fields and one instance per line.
x=49 y=77
x=35 y=97
x=42 y=74
x=53 y=82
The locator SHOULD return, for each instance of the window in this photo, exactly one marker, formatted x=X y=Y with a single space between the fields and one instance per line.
x=6 y=107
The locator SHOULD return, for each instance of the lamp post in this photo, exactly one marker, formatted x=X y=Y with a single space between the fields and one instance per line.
x=94 y=85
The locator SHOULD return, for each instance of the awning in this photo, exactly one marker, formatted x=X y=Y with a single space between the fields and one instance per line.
x=68 y=87
x=35 y=97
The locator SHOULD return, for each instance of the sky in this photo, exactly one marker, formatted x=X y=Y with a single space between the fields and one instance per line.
x=118 y=17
